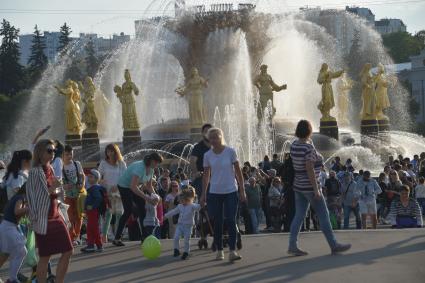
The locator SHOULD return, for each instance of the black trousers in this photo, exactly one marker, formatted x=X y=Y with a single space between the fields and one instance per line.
x=133 y=204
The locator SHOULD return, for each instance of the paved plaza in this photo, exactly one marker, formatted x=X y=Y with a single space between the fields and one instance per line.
x=377 y=256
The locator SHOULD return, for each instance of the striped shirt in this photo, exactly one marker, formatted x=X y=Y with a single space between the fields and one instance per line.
x=38 y=200
x=411 y=210
x=300 y=154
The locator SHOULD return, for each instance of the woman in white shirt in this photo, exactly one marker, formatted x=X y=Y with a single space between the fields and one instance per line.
x=17 y=171
x=111 y=169
x=221 y=170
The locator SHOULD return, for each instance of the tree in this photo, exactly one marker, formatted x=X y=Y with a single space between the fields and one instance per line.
x=353 y=59
x=420 y=35
x=64 y=39
x=37 y=61
x=11 y=72
x=402 y=45
x=91 y=59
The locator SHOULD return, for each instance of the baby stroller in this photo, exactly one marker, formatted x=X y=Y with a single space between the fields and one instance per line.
x=205 y=227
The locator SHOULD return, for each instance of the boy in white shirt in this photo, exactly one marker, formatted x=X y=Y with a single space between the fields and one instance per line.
x=186 y=211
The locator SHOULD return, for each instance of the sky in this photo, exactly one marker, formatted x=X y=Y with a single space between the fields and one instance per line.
x=107 y=17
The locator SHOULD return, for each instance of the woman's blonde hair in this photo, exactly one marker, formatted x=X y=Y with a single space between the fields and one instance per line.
x=113 y=147
x=39 y=150
x=218 y=132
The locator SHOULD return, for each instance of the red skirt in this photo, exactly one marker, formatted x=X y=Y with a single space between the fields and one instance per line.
x=57 y=239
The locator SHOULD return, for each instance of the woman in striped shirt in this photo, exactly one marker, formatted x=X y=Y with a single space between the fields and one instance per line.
x=405 y=212
x=307 y=163
x=51 y=233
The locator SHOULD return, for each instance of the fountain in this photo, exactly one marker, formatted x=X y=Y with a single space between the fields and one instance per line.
x=228 y=44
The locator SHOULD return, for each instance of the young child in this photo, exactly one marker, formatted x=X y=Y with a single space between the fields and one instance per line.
x=186 y=210
x=93 y=204
x=73 y=184
x=151 y=221
x=12 y=241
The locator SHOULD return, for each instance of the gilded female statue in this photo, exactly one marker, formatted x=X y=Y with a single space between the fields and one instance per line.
x=344 y=86
x=327 y=103
x=194 y=87
x=89 y=115
x=266 y=86
x=72 y=110
x=125 y=95
x=382 y=100
x=368 y=93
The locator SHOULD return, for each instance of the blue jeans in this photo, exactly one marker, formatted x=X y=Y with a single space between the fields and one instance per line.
x=302 y=203
x=347 y=211
x=224 y=206
x=255 y=214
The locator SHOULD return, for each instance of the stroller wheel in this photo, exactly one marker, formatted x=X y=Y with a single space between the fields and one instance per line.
x=213 y=247
x=239 y=242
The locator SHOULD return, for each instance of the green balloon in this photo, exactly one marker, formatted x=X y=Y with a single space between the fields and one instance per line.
x=151 y=247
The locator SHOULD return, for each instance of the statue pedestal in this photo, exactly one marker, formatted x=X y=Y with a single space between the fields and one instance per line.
x=131 y=140
x=195 y=134
x=91 y=147
x=384 y=131
x=369 y=131
x=73 y=139
x=329 y=128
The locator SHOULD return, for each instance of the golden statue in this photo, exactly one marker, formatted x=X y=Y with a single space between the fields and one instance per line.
x=101 y=104
x=344 y=86
x=368 y=93
x=194 y=86
x=89 y=115
x=382 y=100
x=327 y=103
x=266 y=86
x=125 y=95
x=72 y=109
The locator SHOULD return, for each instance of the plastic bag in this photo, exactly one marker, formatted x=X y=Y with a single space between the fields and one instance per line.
x=63 y=208
x=31 y=259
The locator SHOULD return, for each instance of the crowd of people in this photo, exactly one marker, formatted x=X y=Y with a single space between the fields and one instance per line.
x=46 y=192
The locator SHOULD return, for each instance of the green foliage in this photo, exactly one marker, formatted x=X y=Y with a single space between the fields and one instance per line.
x=64 y=39
x=354 y=64
x=10 y=108
x=92 y=62
x=37 y=60
x=74 y=71
x=402 y=45
x=11 y=72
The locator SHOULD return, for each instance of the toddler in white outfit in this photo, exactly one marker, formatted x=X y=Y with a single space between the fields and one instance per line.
x=186 y=211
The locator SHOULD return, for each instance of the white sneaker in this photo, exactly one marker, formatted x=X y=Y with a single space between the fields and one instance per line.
x=233 y=256
x=220 y=255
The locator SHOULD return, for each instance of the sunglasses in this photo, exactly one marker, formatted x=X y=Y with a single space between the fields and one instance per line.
x=51 y=150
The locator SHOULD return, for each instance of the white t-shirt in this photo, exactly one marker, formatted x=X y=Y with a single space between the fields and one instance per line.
x=111 y=173
x=420 y=191
x=223 y=179
x=57 y=166
x=12 y=183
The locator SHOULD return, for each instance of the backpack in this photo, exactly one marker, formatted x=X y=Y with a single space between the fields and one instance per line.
x=105 y=203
